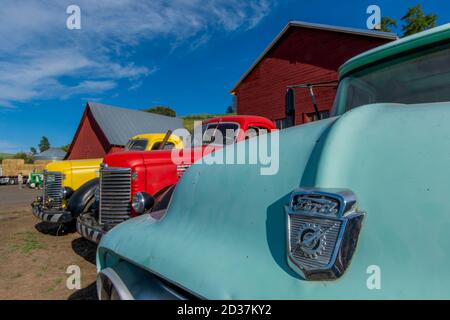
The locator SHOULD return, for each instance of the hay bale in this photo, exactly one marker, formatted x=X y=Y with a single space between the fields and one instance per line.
x=26 y=169
x=42 y=162
x=12 y=164
x=11 y=167
x=39 y=167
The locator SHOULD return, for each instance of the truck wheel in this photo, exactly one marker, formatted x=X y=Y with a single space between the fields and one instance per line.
x=71 y=226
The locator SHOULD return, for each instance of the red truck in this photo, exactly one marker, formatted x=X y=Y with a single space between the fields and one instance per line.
x=132 y=182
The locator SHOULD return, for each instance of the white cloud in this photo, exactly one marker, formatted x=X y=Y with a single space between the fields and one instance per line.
x=39 y=56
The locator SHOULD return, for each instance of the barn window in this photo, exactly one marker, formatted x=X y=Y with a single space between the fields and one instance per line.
x=280 y=123
x=312 y=116
x=285 y=122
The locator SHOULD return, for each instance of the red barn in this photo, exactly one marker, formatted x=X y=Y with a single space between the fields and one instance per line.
x=302 y=53
x=104 y=129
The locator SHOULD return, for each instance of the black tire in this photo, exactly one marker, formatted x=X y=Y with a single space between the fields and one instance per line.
x=72 y=225
x=81 y=199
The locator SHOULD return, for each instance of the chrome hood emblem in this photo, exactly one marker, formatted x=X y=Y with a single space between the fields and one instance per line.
x=322 y=232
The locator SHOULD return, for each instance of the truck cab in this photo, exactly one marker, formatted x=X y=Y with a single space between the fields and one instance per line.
x=357 y=210
x=63 y=178
x=131 y=181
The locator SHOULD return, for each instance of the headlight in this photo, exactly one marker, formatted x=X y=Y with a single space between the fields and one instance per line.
x=66 y=192
x=142 y=202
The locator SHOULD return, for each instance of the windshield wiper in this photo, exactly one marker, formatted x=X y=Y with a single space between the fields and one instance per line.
x=310 y=87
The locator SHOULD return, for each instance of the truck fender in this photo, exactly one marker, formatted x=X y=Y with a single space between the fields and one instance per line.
x=82 y=197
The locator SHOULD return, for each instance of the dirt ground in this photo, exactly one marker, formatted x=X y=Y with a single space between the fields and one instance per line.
x=35 y=255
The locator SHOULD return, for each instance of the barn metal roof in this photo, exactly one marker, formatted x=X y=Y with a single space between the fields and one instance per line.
x=50 y=154
x=302 y=24
x=119 y=124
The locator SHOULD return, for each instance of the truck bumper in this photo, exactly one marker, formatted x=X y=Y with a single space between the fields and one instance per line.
x=52 y=216
x=89 y=228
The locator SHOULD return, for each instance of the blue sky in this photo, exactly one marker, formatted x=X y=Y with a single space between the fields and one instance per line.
x=186 y=54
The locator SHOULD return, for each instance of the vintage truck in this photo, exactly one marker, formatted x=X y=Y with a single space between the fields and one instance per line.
x=35 y=180
x=59 y=203
x=130 y=182
x=358 y=209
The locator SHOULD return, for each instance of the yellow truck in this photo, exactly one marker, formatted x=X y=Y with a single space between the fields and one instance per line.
x=63 y=178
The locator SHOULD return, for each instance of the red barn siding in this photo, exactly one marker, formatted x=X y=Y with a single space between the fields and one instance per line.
x=115 y=149
x=301 y=55
x=89 y=141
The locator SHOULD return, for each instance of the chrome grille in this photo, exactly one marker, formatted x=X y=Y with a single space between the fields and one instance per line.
x=331 y=229
x=115 y=193
x=181 y=169
x=52 y=189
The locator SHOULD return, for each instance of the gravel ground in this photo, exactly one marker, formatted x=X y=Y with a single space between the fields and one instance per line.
x=35 y=255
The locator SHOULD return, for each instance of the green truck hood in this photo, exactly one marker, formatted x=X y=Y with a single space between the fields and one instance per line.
x=224 y=233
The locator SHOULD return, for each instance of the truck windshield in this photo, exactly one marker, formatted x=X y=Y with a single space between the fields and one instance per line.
x=419 y=77
x=217 y=133
x=136 y=145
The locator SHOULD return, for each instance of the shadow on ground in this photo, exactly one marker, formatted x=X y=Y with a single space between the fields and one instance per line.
x=54 y=229
x=85 y=248
x=88 y=293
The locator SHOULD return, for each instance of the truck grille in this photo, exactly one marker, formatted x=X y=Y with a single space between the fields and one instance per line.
x=115 y=193
x=52 y=189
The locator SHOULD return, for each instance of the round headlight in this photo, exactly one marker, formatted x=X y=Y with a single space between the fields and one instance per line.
x=142 y=202
x=66 y=192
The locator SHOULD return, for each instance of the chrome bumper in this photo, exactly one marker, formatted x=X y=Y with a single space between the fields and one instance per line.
x=132 y=283
x=52 y=216
x=89 y=228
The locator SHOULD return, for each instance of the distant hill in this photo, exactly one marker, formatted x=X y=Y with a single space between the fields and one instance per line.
x=6 y=155
x=188 y=121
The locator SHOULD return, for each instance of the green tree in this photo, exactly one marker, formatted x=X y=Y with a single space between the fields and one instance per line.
x=415 y=20
x=24 y=156
x=66 y=147
x=387 y=24
x=165 y=111
x=33 y=150
x=229 y=110
x=44 y=144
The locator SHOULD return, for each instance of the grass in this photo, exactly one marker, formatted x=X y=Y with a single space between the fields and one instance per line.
x=6 y=155
x=16 y=275
x=188 y=121
x=28 y=243
x=55 y=284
